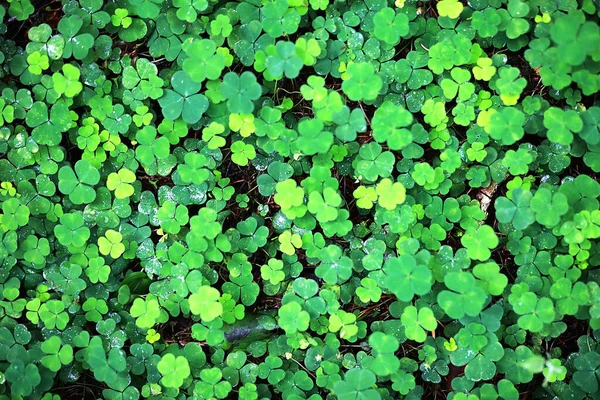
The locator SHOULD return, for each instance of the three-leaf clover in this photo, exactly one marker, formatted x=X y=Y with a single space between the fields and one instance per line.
x=361 y=82
x=67 y=82
x=205 y=303
x=174 y=370
x=405 y=278
x=548 y=207
x=516 y=210
x=588 y=370
x=121 y=183
x=357 y=384
x=184 y=100
x=71 y=231
x=506 y=125
x=203 y=62
x=22 y=377
x=240 y=91
x=390 y=194
x=57 y=355
x=464 y=296
x=534 y=311
x=14 y=214
x=390 y=26
x=479 y=241
x=292 y=318
x=79 y=184
x=450 y=8
x=110 y=244
x=417 y=322
x=562 y=125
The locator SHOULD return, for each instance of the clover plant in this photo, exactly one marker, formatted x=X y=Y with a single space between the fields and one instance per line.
x=292 y=199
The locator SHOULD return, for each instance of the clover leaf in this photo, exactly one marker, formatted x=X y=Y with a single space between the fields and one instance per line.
x=410 y=70
x=79 y=184
x=390 y=26
x=368 y=291
x=202 y=63
x=174 y=370
x=240 y=91
x=464 y=296
x=57 y=355
x=120 y=182
x=406 y=278
x=371 y=162
x=188 y=10
x=479 y=241
x=292 y=318
x=324 y=206
x=384 y=346
x=357 y=384
x=14 y=215
x=534 y=311
x=110 y=244
x=283 y=60
x=390 y=124
x=416 y=323
x=506 y=125
x=212 y=385
x=562 y=125
x=516 y=210
x=485 y=69
x=242 y=153
x=334 y=267
x=490 y=278
x=450 y=8
x=279 y=19
x=76 y=44
x=48 y=126
x=184 y=100
x=586 y=376
x=71 y=230
x=22 y=377
x=548 y=207
x=67 y=82
x=390 y=195
x=361 y=82
x=205 y=303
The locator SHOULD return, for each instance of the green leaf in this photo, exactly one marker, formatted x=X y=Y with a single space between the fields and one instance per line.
x=240 y=92
x=184 y=100
x=205 y=303
x=174 y=370
x=562 y=125
x=284 y=61
x=120 y=182
x=406 y=278
x=357 y=384
x=417 y=323
x=361 y=83
x=464 y=296
x=506 y=125
x=79 y=184
x=389 y=26
x=202 y=63
x=587 y=375
x=549 y=207
x=450 y=8
x=516 y=210
x=479 y=241
x=292 y=318
x=390 y=124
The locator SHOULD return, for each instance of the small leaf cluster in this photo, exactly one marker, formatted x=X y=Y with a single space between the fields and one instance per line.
x=292 y=199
